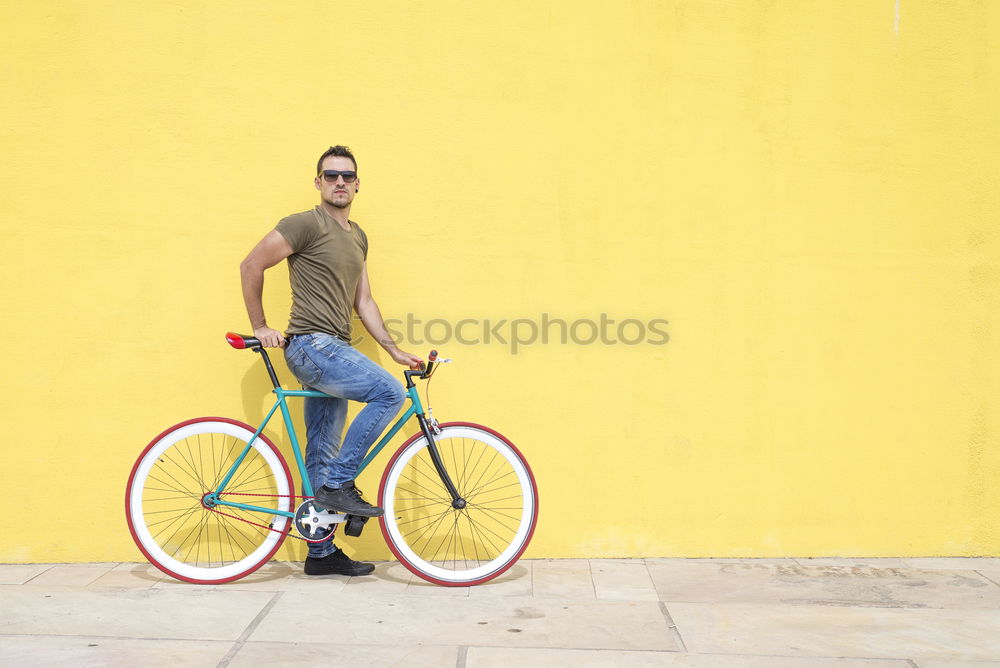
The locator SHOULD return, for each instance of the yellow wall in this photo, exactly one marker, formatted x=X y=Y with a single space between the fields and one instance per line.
x=808 y=193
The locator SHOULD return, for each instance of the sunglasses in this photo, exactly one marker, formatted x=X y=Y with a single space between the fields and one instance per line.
x=330 y=175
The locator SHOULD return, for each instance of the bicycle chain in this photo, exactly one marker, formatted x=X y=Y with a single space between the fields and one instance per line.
x=288 y=531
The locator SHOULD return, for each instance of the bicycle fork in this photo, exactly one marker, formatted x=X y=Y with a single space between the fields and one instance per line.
x=457 y=502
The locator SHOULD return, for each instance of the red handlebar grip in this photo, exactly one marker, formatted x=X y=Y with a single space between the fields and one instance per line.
x=433 y=356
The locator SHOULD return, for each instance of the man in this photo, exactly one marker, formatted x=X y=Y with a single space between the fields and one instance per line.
x=327 y=255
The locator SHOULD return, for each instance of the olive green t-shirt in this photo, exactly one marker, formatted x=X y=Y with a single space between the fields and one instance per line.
x=324 y=268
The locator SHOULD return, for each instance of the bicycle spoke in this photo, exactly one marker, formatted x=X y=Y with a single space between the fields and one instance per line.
x=483 y=540
x=166 y=510
x=472 y=537
x=180 y=485
x=498 y=474
x=182 y=493
x=425 y=505
x=431 y=525
x=513 y=484
x=220 y=463
x=494 y=513
x=482 y=526
x=235 y=532
x=424 y=519
x=446 y=535
x=472 y=469
x=228 y=459
x=485 y=470
x=432 y=476
x=245 y=473
x=429 y=491
x=171 y=521
x=189 y=461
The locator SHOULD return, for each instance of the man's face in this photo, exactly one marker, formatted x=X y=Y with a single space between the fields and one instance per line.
x=337 y=192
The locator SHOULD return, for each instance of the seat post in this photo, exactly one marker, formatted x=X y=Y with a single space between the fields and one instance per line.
x=267 y=363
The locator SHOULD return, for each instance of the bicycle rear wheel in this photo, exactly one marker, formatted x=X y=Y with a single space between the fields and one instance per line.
x=459 y=546
x=173 y=526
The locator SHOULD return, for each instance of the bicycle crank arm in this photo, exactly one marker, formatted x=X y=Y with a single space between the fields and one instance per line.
x=314 y=522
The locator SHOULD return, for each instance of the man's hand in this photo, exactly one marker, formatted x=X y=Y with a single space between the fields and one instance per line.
x=270 y=338
x=406 y=359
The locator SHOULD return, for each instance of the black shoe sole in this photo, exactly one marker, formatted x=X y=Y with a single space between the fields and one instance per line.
x=371 y=511
x=352 y=572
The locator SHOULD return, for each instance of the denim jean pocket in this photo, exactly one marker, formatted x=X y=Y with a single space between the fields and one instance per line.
x=301 y=366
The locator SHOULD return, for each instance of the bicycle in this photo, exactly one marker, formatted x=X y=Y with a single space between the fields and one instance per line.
x=211 y=500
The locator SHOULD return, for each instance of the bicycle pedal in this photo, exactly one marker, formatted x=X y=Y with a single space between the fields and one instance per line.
x=355 y=525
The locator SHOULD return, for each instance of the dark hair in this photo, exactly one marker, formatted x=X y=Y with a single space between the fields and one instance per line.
x=338 y=151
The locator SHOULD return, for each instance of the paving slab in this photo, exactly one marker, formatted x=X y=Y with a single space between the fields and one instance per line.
x=256 y=654
x=823 y=585
x=287 y=576
x=752 y=613
x=15 y=574
x=323 y=585
x=762 y=561
x=864 y=562
x=992 y=574
x=515 y=582
x=170 y=582
x=419 y=587
x=70 y=575
x=510 y=621
x=46 y=651
x=622 y=580
x=129 y=576
x=954 y=563
x=562 y=578
x=388 y=578
x=932 y=663
x=194 y=613
x=838 y=631
x=504 y=657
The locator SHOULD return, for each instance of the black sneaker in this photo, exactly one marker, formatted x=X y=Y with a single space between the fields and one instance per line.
x=337 y=563
x=346 y=500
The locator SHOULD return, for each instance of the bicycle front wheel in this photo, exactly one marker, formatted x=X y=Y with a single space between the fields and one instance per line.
x=459 y=546
x=185 y=536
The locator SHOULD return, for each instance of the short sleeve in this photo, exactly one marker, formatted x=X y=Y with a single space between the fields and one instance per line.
x=299 y=230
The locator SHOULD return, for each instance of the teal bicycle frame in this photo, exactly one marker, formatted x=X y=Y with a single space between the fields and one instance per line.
x=212 y=499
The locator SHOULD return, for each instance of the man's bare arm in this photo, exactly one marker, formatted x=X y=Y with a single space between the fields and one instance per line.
x=371 y=318
x=271 y=250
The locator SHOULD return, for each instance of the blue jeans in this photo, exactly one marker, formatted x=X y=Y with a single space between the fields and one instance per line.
x=328 y=364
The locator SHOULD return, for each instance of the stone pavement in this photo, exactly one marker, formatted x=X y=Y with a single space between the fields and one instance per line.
x=695 y=613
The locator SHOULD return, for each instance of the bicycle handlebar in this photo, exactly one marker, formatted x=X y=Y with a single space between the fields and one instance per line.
x=425 y=372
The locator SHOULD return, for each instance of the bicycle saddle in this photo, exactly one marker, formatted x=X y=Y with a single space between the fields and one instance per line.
x=241 y=342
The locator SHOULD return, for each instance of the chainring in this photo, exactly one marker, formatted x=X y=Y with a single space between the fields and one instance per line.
x=314 y=523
